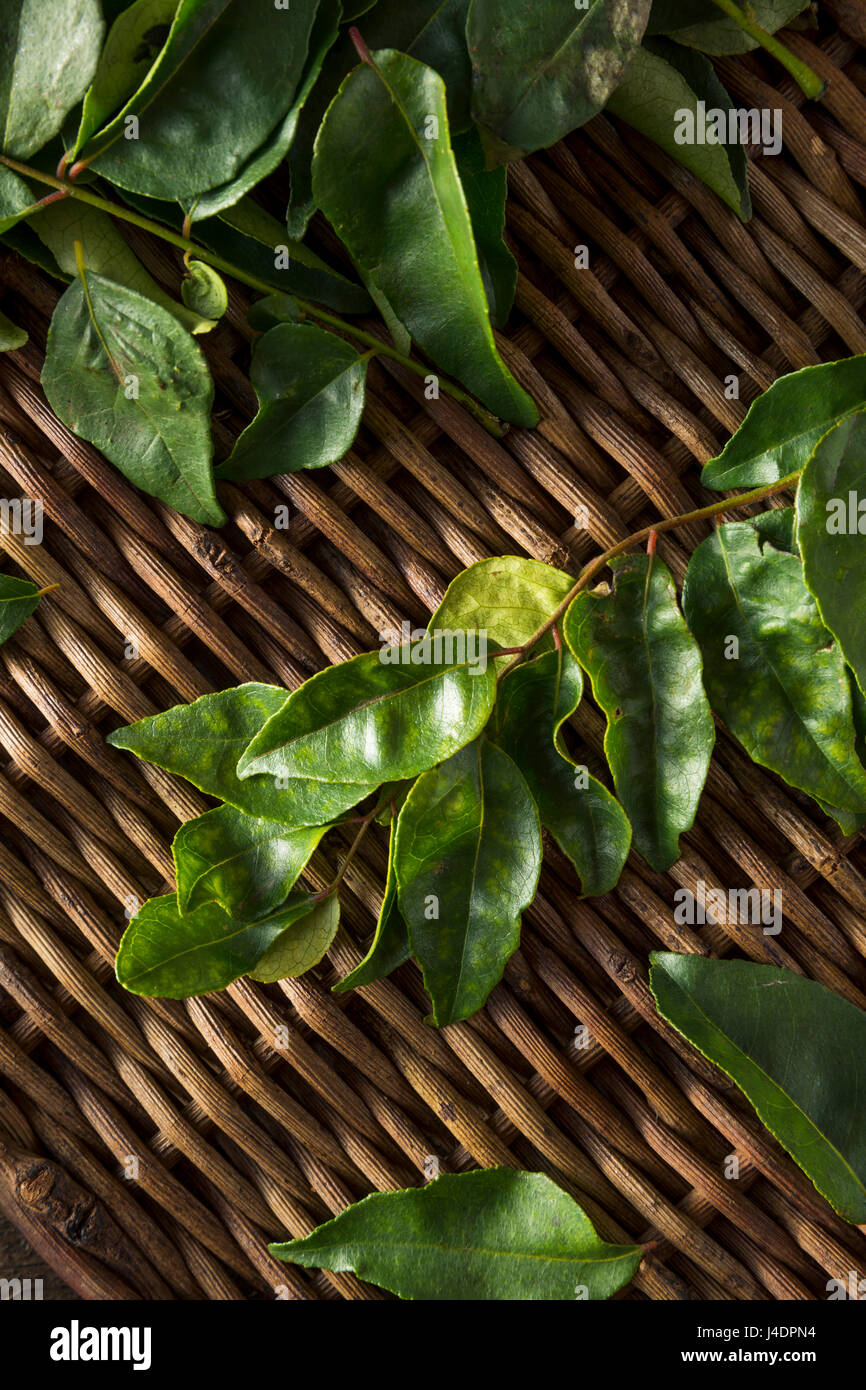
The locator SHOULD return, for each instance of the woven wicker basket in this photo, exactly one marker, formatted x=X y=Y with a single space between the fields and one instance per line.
x=152 y=1148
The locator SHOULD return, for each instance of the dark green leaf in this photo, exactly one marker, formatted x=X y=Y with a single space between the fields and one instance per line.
x=777 y=527
x=588 y=824
x=310 y=386
x=664 y=95
x=254 y=241
x=467 y=860
x=170 y=955
x=831 y=526
x=785 y=423
x=121 y=372
x=226 y=75
x=646 y=675
x=204 y=291
x=17 y=200
x=11 y=336
x=433 y=31
x=265 y=160
x=390 y=946
x=486 y=191
x=541 y=70
x=701 y=24
x=782 y=689
x=491 y=1235
x=273 y=309
x=48 y=54
x=370 y=721
x=134 y=42
x=795 y=1049
x=245 y=863
x=302 y=946
x=509 y=598
x=203 y=742
x=404 y=219
x=18 y=599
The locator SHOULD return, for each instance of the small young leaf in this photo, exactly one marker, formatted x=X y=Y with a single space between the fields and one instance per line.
x=467 y=860
x=390 y=946
x=495 y=1234
x=366 y=721
x=18 y=599
x=667 y=87
x=302 y=946
x=541 y=70
x=796 y=1050
x=486 y=191
x=785 y=423
x=310 y=386
x=11 y=336
x=203 y=742
x=48 y=54
x=588 y=824
x=509 y=598
x=831 y=526
x=226 y=73
x=646 y=675
x=121 y=372
x=169 y=955
x=245 y=863
x=204 y=291
x=772 y=670
x=134 y=42
x=701 y=24
x=404 y=219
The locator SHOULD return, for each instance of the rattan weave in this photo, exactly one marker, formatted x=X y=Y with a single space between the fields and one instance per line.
x=151 y=1148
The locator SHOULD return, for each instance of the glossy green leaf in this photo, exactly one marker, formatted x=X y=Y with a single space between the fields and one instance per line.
x=251 y=239
x=121 y=372
x=370 y=721
x=404 y=219
x=664 y=95
x=310 y=386
x=106 y=253
x=588 y=824
x=390 y=945
x=203 y=742
x=17 y=200
x=645 y=669
x=433 y=31
x=796 y=1050
x=486 y=191
x=170 y=955
x=273 y=309
x=831 y=527
x=701 y=24
x=541 y=70
x=134 y=42
x=226 y=75
x=265 y=160
x=18 y=599
x=785 y=423
x=509 y=598
x=11 y=335
x=778 y=527
x=491 y=1235
x=247 y=864
x=467 y=860
x=48 y=54
x=302 y=946
x=782 y=688
x=204 y=291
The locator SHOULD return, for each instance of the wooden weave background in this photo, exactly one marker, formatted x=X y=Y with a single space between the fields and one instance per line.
x=243 y=1133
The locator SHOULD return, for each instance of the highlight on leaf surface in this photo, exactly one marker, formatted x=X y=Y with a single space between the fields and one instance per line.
x=491 y=1234
x=18 y=599
x=795 y=1049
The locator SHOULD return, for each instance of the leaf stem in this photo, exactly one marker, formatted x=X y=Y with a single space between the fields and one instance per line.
x=810 y=84
x=186 y=244
x=595 y=566
x=366 y=822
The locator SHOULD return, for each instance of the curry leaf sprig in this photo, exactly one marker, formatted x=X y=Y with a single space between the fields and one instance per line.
x=399 y=138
